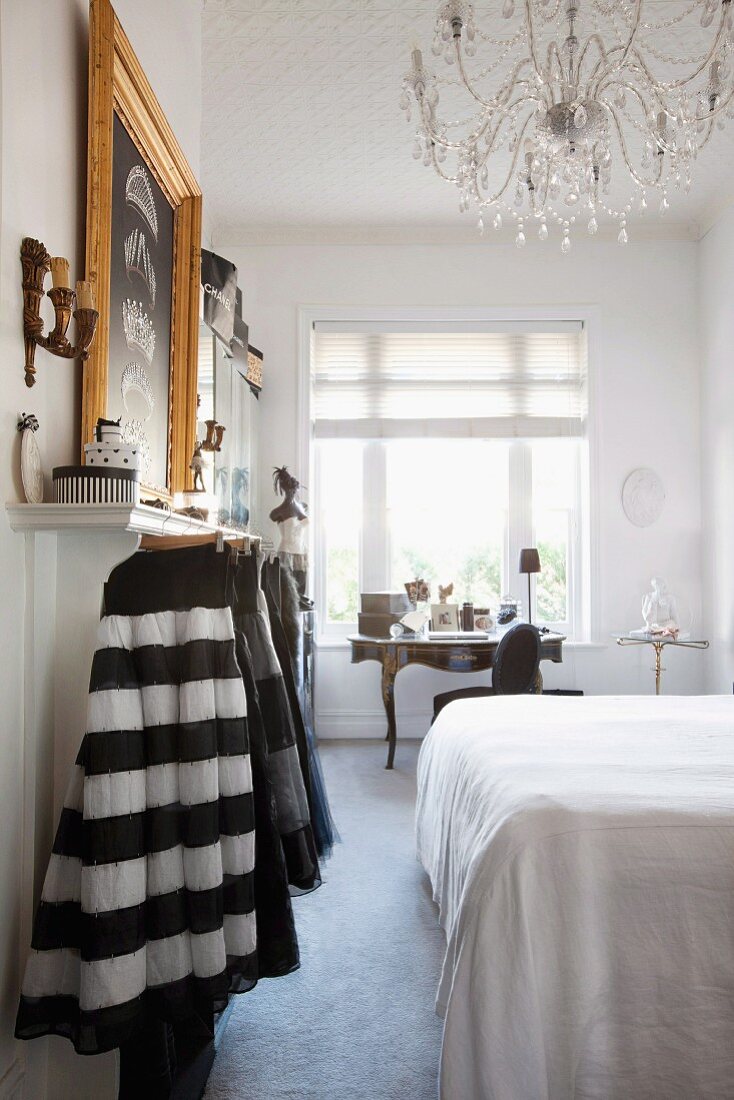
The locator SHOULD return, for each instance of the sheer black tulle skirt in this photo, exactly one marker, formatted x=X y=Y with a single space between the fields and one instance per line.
x=282 y=597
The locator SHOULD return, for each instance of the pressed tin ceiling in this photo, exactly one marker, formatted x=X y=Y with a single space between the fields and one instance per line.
x=302 y=131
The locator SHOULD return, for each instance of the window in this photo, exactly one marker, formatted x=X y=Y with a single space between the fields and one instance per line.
x=555 y=505
x=340 y=510
x=441 y=455
x=447 y=515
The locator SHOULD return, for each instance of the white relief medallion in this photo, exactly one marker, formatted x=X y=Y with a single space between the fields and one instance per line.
x=643 y=497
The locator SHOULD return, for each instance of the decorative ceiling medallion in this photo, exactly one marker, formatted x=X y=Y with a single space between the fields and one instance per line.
x=643 y=497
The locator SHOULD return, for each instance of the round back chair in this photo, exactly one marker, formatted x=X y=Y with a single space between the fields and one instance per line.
x=513 y=671
x=516 y=660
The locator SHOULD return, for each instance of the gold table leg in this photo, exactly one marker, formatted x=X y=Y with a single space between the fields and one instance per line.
x=658 y=665
x=389 y=672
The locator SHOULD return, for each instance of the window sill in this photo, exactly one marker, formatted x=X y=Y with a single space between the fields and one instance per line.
x=328 y=642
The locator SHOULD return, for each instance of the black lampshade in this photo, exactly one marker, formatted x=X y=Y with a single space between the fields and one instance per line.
x=529 y=561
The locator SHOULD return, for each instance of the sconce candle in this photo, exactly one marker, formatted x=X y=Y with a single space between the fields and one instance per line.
x=84 y=295
x=60 y=271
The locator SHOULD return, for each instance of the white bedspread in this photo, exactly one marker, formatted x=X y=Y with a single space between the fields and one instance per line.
x=581 y=851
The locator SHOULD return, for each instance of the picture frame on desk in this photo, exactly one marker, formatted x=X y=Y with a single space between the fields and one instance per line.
x=445 y=617
x=483 y=619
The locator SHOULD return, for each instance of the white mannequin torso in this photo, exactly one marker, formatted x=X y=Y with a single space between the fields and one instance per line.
x=293 y=536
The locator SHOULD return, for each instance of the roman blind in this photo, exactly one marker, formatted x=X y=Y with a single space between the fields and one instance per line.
x=403 y=380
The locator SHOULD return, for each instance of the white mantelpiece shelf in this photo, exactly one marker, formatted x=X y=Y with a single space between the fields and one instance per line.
x=140 y=519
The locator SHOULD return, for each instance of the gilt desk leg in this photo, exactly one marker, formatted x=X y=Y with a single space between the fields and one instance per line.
x=658 y=666
x=389 y=672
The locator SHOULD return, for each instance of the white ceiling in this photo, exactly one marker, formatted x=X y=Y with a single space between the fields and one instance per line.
x=302 y=130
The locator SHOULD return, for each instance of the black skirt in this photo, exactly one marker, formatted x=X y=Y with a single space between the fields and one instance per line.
x=284 y=762
x=282 y=601
x=277 y=944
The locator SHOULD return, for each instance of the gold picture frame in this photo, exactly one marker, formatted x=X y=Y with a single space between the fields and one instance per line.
x=119 y=90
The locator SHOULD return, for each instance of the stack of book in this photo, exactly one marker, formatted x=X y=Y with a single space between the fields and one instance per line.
x=379 y=610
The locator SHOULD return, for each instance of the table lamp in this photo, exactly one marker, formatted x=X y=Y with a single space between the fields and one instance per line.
x=529 y=563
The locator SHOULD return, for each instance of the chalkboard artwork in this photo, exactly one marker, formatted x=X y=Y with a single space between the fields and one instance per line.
x=141 y=298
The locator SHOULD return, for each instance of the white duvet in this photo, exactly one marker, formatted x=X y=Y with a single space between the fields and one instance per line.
x=581 y=851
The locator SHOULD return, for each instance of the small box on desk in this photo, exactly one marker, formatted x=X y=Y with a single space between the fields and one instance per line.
x=377 y=624
x=386 y=603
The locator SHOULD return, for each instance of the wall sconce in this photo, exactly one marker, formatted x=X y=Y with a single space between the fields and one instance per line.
x=36 y=264
x=214 y=434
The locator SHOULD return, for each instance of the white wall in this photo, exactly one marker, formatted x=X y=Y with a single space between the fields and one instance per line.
x=716 y=320
x=43 y=64
x=645 y=377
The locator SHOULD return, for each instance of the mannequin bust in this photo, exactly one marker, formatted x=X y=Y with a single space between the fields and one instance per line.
x=290 y=515
x=658 y=607
x=286 y=485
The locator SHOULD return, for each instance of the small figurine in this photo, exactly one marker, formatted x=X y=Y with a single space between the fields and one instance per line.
x=659 y=609
x=197 y=466
x=444 y=593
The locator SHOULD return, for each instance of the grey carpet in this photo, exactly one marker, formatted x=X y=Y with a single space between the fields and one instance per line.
x=357 y=1021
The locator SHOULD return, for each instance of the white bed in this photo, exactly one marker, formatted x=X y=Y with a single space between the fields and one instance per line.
x=581 y=851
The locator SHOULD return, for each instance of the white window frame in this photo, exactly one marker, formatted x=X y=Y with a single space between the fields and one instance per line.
x=583 y=565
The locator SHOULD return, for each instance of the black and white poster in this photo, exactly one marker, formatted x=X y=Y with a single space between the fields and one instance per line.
x=219 y=283
x=141 y=299
x=240 y=344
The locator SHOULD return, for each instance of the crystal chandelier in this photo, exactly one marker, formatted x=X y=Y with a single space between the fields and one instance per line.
x=580 y=102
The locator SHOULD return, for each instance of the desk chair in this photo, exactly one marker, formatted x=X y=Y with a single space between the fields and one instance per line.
x=513 y=672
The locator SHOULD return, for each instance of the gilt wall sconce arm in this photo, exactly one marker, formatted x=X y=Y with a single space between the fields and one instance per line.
x=214 y=435
x=36 y=264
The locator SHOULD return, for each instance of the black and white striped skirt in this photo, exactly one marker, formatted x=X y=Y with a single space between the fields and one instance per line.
x=148 y=902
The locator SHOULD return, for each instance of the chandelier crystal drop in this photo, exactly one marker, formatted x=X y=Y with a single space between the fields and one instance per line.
x=568 y=98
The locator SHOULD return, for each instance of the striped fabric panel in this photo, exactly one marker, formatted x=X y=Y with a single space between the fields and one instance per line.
x=150 y=886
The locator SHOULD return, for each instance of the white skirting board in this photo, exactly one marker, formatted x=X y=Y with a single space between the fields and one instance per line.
x=368 y=724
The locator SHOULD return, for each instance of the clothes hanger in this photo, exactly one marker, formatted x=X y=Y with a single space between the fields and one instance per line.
x=220 y=538
x=236 y=540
